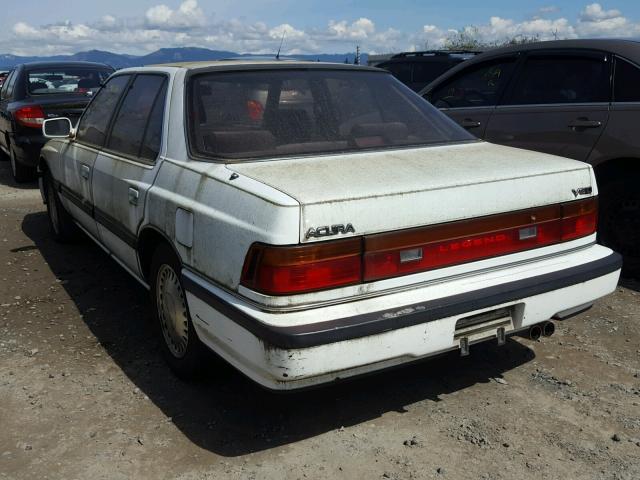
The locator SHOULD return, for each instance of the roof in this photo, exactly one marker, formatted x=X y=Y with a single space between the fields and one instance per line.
x=626 y=48
x=242 y=64
x=63 y=64
x=629 y=49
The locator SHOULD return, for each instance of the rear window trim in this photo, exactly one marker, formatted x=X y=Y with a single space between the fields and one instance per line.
x=194 y=155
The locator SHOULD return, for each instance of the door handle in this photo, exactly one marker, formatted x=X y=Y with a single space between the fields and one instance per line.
x=468 y=123
x=582 y=122
x=85 y=171
x=133 y=196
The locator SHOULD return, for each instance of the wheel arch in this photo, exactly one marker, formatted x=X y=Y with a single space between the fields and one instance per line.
x=149 y=238
x=616 y=169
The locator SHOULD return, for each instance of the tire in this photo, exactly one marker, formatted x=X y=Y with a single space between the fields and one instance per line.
x=619 y=222
x=180 y=345
x=21 y=173
x=61 y=224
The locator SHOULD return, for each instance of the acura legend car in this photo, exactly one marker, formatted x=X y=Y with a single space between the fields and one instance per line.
x=310 y=222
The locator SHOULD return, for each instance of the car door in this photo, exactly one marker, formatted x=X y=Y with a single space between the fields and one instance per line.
x=558 y=104
x=79 y=155
x=126 y=167
x=470 y=96
x=5 y=118
x=620 y=138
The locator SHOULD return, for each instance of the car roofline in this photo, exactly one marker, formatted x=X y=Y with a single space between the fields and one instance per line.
x=627 y=48
x=31 y=65
x=241 y=65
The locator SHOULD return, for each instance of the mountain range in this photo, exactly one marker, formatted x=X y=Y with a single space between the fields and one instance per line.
x=164 y=55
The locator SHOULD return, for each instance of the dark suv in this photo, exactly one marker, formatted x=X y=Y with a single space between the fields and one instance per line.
x=417 y=69
x=575 y=98
x=33 y=92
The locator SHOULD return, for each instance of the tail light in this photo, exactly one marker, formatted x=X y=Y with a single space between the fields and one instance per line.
x=275 y=270
x=255 y=110
x=303 y=268
x=30 y=116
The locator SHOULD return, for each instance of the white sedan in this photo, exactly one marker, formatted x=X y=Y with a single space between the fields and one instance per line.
x=310 y=222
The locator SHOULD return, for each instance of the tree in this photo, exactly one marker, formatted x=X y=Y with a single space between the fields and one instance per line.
x=470 y=39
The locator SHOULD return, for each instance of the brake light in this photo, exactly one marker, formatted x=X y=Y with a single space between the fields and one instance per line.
x=422 y=249
x=283 y=270
x=30 y=116
x=255 y=110
x=303 y=268
x=579 y=219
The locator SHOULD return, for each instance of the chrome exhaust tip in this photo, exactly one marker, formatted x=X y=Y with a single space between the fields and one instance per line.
x=548 y=328
x=535 y=332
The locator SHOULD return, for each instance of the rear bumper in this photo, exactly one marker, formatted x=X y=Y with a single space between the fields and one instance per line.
x=27 y=148
x=299 y=349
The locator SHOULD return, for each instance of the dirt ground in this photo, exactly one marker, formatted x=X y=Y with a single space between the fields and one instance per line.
x=85 y=395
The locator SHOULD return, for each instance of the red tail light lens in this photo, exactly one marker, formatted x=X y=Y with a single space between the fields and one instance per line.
x=30 y=116
x=417 y=250
x=255 y=110
x=579 y=219
x=303 y=268
x=276 y=270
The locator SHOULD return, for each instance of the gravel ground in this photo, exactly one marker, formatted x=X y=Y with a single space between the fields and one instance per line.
x=84 y=394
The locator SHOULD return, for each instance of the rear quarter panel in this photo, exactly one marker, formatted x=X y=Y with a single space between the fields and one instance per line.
x=620 y=138
x=228 y=216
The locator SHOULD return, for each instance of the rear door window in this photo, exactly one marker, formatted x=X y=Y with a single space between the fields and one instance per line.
x=626 y=82
x=7 y=88
x=478 y=86
x=130 y=128
x=562 y=79
x=94 y=123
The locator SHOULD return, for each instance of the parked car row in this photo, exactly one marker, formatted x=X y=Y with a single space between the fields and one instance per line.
x=311 y=222
x=34 y=92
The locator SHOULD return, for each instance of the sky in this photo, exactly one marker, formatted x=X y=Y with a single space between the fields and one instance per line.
x=47 y=27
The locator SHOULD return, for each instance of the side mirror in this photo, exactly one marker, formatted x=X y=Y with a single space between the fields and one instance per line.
x=57 y=128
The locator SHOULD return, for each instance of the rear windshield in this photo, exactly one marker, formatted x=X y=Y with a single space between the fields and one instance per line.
x=66 y=80
x=255 y=114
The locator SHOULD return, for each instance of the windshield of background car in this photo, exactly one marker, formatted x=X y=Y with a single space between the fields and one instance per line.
x=270 y=113
x=48 y=81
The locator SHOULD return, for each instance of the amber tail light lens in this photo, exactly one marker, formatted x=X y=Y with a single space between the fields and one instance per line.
x=277 y=270
x=284 y=270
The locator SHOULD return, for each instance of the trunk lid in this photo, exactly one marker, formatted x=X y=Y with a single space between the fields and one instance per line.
x=62 y=105
x=390 y=190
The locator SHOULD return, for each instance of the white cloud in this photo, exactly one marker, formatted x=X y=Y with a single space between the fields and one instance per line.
x=188 y=15
x=595 y=21
x=184 y=23
x=358 y=30
x=595 y=12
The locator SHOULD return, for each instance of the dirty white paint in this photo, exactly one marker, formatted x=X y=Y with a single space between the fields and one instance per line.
x=310 y=366
x=213 y=212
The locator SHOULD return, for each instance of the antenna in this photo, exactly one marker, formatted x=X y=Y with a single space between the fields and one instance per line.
x=284 y=32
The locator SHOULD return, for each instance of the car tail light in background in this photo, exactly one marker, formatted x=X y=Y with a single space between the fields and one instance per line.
x=276 y=270
x=255 y=110
x=30 y=116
